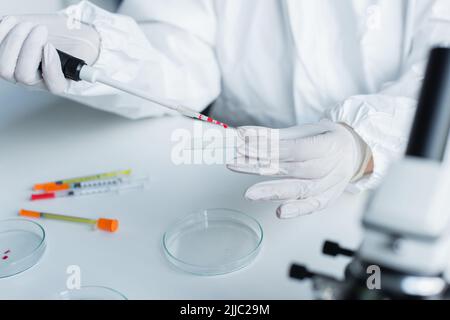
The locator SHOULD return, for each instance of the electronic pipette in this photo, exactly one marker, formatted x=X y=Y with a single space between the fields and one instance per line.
x=76 y=69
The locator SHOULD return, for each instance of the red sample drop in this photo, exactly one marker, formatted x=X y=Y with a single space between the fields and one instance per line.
x=5 y=257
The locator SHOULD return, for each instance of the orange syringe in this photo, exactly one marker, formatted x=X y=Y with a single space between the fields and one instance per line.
x=57 y=185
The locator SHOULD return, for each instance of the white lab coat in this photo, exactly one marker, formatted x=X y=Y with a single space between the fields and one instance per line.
x=275 y=63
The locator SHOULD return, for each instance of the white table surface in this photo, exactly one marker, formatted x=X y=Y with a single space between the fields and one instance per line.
x=69 y=140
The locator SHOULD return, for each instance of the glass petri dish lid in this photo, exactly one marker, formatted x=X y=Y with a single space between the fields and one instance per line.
x=22 y=244
x=92 y=293
x=213 y=242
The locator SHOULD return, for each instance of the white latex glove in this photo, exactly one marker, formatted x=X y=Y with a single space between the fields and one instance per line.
x=25 y=41
x=316 y=162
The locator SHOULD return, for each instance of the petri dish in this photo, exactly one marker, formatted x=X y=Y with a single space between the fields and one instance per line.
x=213 y=242
x=22 y=244
x=92 y=293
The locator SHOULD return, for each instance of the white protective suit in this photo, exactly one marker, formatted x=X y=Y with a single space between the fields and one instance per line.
x=274 y=63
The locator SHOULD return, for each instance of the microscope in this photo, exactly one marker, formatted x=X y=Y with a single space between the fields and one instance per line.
x=406 y=242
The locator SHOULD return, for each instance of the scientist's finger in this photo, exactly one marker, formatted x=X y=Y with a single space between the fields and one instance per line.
x=7 y=24
x=319 y=200
x=279 y=190
x=310 y=169
x=296 y=132
x=251 y=131
x=275 y=144
x=257 y=137
x=27 y=70
x=313 y=147
x=269 y=150
x=251 y=166
x=10 y=49
x=297 y=208
x=51 y=70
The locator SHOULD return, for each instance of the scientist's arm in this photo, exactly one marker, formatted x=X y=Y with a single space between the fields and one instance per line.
x=170 y=55
x=383 y=120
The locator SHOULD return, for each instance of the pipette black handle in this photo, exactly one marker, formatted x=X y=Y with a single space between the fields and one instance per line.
x=71 y=66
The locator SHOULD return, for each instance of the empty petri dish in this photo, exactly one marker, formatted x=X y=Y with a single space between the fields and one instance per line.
x=22 y=244
x=92 y=293
x=213 y=242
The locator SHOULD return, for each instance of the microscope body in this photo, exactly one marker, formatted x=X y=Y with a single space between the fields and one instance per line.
x=406 y=239
x=407 y=230
x=407 y=219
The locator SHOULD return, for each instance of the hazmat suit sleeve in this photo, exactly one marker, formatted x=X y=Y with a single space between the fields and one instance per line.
x=383 y=120
x=169 y=54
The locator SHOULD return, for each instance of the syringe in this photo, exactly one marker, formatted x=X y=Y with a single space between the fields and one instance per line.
x=106 y=175
x=100 y=183
x=135 y=184
x=110 y=225
x=77 y=70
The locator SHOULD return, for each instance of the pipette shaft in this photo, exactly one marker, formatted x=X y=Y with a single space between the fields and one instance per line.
x=77 y=70
x=93 y=75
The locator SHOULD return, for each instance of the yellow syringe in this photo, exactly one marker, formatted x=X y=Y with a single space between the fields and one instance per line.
x=110 y=225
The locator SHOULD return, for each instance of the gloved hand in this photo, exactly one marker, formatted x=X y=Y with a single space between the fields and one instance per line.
x=27 y=40
x=316 y=162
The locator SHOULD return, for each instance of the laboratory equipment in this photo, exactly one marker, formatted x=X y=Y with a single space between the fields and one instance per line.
x=110 y=225
x=92 y=293
x=406 y=222
x=22 y=244
x=100 y=176
x=213 y=242
x=102 y=183
x=125 y=185
x=77 y=70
